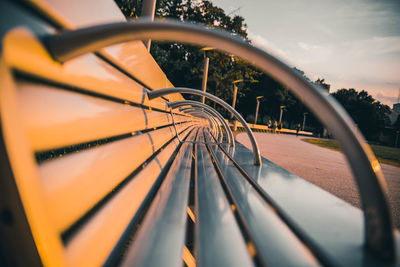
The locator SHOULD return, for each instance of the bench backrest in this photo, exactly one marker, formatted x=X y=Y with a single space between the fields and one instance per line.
x=94 y=173
x=82 y=138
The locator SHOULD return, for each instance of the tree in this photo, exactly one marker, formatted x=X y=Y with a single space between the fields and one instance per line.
x=183 y=64
x=322 y=84
x=130 y=8
x=370 y=115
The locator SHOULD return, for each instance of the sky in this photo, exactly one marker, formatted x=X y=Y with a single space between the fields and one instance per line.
x=349 y=43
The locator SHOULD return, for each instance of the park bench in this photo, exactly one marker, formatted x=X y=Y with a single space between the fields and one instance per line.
x=103 y=162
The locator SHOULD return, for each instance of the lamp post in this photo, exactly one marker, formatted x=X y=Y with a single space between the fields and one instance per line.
x=235 y=89
x=205 y=71
x=280 y=116
x=148 y=10
x=304 y=120
x=258 y=105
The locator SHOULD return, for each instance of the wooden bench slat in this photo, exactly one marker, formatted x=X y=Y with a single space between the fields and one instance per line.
x=160 y=240
x=133 y=56
x=182 y=126
x=59 y=118
x=95 y=241
x=263 y=221
x=219 y=241
x=180 y=118
x=76 y=182
x=27 y=54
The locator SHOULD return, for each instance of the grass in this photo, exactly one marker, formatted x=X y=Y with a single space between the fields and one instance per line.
x=384 y=154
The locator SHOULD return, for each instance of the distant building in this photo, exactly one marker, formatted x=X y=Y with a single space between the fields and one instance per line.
x=389 y=135
x=396 y=107
x=395 y=114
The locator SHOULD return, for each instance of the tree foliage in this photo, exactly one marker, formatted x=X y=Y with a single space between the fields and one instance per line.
x=183 y=65
x=370 y=115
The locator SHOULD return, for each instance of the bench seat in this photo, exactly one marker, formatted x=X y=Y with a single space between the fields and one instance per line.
x=95 y=173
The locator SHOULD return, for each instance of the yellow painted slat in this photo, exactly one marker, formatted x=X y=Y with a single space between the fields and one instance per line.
x=57 y=118
x=191 y=214
x=188 y=257
x=94 y=242
x=157 y=119
x=133 y=57
x=23 y=51
x=97 y=238
x=24 y=170
x=76 y=182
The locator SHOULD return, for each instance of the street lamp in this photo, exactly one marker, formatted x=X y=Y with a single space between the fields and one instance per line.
x=258 y=105
x=280 y=116
x=304 y=120
x=148 y=10
x=205 y=70
x=235 y=89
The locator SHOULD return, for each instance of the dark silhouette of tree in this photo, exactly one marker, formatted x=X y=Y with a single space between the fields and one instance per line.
x=370 y=115
x=322 y=84
x=130 y=8
x=183 y=65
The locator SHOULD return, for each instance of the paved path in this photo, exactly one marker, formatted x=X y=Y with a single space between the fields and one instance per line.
x=323 y=167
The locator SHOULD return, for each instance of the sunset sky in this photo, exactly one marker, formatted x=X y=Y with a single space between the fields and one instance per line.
x=352 y=44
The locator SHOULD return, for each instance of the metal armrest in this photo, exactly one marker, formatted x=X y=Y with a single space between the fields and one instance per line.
x=366 y=169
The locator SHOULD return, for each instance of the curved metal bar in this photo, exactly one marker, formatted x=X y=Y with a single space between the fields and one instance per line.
x=187 y=109
x=174 y=124
x=210 y=109
x=229 y=149
x=203 y=115
x=223 y=123
x=366 y=169
x=197 y=123
x=217 y=120
x=210 y=117
x=216 y=127
x=70 y=44
x=210 y=120
x=183 y=90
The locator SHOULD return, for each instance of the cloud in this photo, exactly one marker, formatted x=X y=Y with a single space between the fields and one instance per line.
x=308 y=53
x=372 y=46
x=387 y=45
x=268 y=46
x=306 y=46
x=386 y=99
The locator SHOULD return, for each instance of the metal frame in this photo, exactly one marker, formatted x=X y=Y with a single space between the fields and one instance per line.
x=189 y=109
x=148 y=10
x=213 y=120
x=214 y=126
x=203 y=115
x=184 y=90
x=193 y=110
x=225 y=125
x=379 y=230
